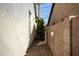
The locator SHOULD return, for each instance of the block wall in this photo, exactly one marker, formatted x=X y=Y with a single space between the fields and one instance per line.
x=59 y=38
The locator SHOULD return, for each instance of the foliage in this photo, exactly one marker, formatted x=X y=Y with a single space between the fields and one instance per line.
x=40 y=27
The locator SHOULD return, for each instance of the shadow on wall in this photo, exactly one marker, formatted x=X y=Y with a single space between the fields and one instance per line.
x=32 y=37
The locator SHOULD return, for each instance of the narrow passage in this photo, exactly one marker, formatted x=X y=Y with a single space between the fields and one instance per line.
x=42 y=50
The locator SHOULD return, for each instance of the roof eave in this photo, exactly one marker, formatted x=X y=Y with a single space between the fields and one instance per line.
x=50 y=13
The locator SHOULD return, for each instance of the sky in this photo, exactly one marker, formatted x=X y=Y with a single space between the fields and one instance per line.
x=45 y=11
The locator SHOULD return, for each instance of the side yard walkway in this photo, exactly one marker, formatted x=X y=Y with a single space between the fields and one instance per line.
x=42 y=50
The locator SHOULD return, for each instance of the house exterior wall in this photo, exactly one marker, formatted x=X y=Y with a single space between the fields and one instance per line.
x=14 y=24
x=62 y=10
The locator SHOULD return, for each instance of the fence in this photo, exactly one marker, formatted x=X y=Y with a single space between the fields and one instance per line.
x=63 y=37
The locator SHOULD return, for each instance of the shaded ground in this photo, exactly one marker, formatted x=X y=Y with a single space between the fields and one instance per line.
x=42 y=50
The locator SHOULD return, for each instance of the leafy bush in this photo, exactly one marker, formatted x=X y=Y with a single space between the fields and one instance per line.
x=40 y=28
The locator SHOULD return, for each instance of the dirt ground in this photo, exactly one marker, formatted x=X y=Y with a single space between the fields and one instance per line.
x=42 y=50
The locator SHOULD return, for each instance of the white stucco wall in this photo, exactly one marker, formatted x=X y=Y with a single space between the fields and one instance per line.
x=14 y=38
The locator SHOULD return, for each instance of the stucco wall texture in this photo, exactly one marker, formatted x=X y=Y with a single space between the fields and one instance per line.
x=62 y=10
x=14 y=35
